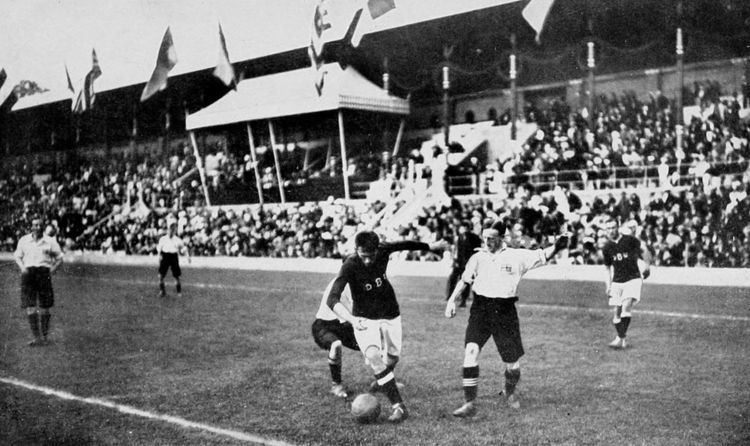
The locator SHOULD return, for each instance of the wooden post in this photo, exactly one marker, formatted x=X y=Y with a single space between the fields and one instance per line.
x=201 y=171
x=400 y=134
x=344 y=163
x=254 y=159
x=276 y=162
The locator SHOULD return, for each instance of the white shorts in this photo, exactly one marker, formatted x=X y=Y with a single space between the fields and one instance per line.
x=385 y=334
x=619 y=292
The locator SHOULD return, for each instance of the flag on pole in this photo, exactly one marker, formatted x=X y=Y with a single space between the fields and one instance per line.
x=165 y=61
x=380 y=7
x=5 y=90
x=224 y=69
x=70 y=83
x=535 y=13
x=362 y=23
x=83 y=97
x=320 y=24
x=8 y=95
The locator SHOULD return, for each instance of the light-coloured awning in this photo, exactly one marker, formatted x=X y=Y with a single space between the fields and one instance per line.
x=294 y=93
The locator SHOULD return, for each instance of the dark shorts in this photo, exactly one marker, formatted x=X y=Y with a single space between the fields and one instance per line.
x=326 y=333
x=36 y=288
x=170 y=261
x=497 y=318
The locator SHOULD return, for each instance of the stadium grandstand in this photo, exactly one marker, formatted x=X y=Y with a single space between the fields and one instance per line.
x=409 y=120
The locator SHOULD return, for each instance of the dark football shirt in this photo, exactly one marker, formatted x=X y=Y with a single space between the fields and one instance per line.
x=623 y=255
x=372 y=294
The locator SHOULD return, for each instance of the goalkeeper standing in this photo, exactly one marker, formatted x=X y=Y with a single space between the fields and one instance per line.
x=494 y=272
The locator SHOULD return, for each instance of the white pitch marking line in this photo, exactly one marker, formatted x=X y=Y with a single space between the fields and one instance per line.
x=725 y=317
x=221 y=286
x=145 y=414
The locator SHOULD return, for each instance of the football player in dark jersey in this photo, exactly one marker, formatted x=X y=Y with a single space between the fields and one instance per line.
x=375 y=314
x=627 y=262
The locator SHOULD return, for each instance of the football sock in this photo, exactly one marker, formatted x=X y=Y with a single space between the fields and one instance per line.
x=387 y=382
x=34 y=324
x=335 y=367
x=162 y=288
x=512 y=376
x=470 y=382
x=625 y=324
x=620 y=327
x=178 y=287
x=45 y=323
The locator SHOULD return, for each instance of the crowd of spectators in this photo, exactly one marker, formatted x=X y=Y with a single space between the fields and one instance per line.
x=628 y=136
x=122 y=204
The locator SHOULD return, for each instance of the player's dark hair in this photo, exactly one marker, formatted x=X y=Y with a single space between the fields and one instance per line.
x=367 y=241
x=497 y=225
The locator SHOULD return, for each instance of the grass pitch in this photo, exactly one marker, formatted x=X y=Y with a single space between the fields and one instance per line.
x=233 y=362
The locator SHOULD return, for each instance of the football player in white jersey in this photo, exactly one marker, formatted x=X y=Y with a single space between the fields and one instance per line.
x=494 y=272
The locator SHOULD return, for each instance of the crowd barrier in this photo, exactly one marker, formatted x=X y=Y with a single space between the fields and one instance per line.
x=713 y=277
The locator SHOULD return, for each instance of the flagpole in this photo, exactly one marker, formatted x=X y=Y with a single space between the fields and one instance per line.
x=513 y=88
x=254 y=158
x=276 y=162
x=344 y=162
x=201 y=171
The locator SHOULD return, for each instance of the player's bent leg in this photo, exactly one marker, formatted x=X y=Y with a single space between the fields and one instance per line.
x=334 y=364
x=387 y=383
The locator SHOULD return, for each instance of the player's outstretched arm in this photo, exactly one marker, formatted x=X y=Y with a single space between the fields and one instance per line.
x=560 y=244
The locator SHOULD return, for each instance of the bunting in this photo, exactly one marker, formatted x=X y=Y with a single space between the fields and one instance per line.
x=224 y=70
x=165 y=61
x=535 y=13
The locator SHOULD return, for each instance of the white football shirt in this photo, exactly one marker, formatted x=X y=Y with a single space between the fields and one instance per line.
x=498 y=275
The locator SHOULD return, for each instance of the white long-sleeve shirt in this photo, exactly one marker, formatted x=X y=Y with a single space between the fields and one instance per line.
x=497 y=275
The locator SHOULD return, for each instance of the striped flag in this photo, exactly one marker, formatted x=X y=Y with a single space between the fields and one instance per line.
x=83 y=97
x=224 y=69
x=165 y=61
x=535 y=13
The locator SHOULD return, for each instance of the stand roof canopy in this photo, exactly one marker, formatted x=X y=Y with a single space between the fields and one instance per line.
x=294 y=93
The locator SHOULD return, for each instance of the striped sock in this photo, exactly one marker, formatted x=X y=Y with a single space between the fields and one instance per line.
x=470 y=382
x=387 y=382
